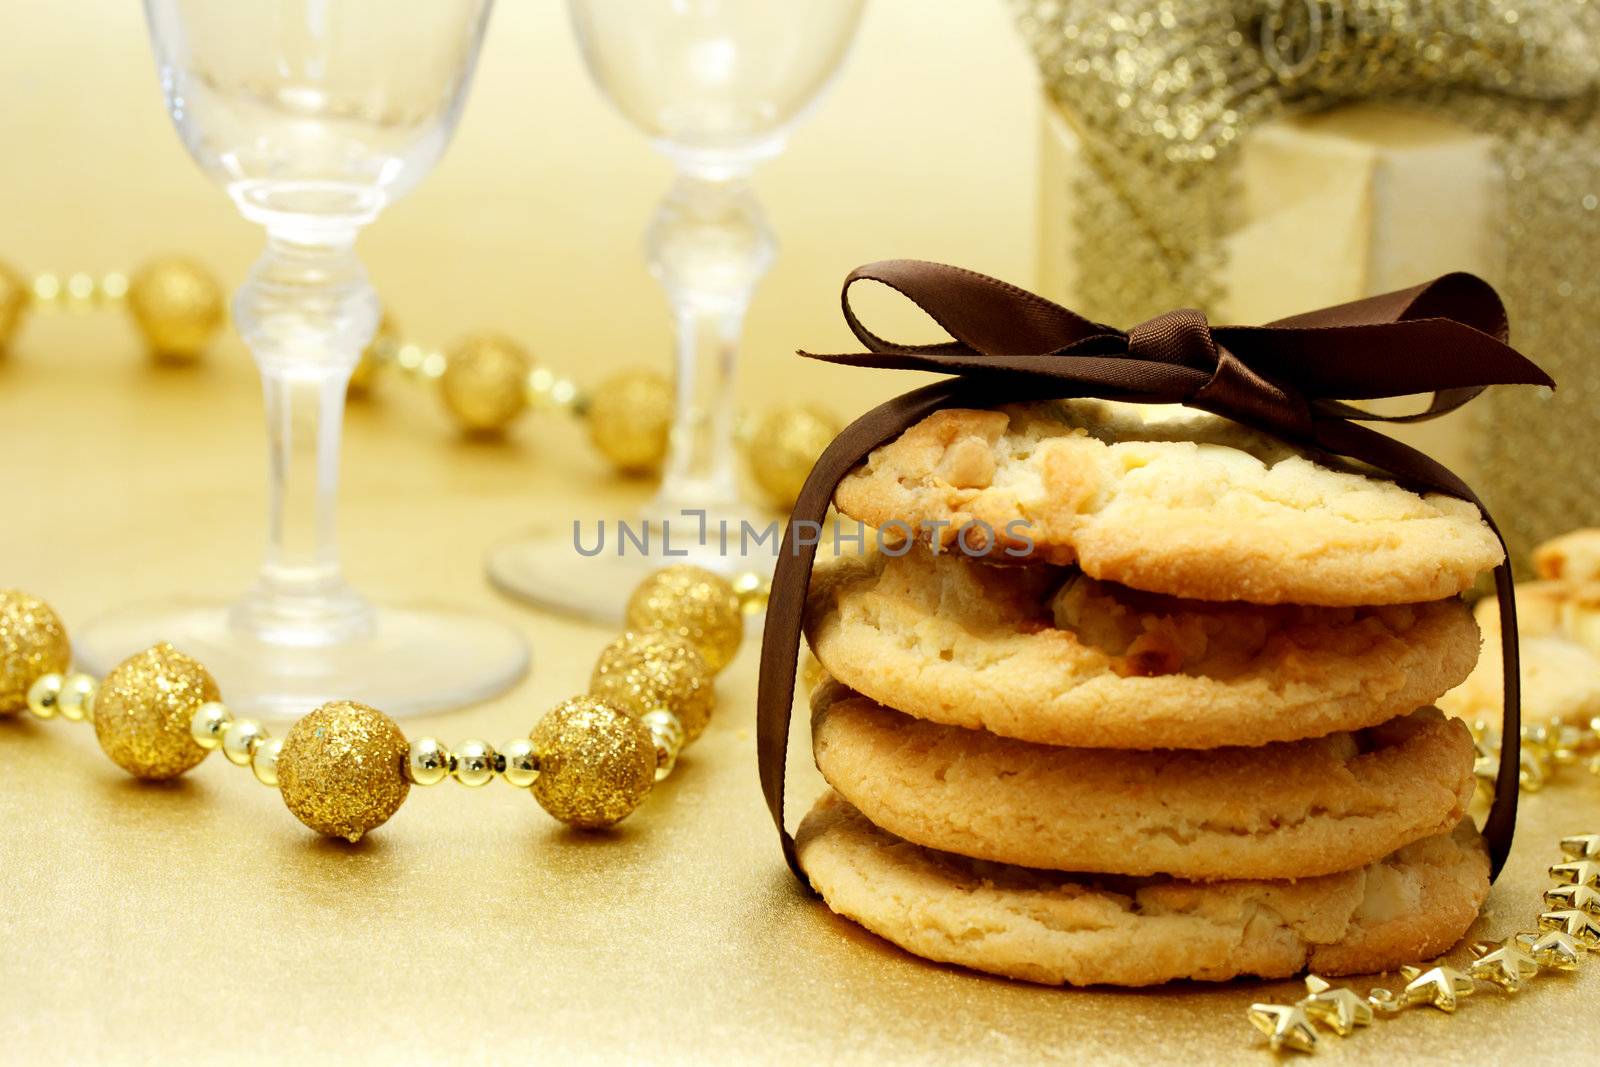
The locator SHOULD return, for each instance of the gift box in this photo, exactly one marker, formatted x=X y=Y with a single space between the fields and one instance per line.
x=1332 y=207
x=1248 y=160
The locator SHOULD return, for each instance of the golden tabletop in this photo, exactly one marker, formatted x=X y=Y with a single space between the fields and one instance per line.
x=198 y=920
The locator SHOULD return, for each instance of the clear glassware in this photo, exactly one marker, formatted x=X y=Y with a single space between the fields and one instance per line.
x=314 y=115
x=716 y=86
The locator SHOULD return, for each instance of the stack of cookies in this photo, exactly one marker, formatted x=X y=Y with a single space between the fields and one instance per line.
x=1145 y=695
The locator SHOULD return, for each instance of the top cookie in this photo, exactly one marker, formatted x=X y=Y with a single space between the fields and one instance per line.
x=1169 y=500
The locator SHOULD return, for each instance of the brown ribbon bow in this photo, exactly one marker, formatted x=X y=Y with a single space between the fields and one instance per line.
x=1288 y=378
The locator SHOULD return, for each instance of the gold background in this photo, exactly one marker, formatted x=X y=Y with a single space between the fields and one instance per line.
x=200 y=920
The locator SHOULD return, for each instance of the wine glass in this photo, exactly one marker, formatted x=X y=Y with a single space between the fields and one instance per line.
x=314 y=115
x=716 y=86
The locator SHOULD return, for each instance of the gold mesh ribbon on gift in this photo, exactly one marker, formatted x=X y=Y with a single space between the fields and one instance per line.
x=1163 y=92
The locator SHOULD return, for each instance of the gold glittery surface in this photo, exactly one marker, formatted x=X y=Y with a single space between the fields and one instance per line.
x=596 y=763
x=629 y=417
x=485 y=383
x=1164 y=93
x=785 y=447
x=341 y=769
x=142 y=713
x=32 y=643
x=693 y=603
x=639 y=672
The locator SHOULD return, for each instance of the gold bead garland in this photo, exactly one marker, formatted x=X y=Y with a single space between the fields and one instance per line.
x=1564 y=935
x=345 y=768
x=485 y=382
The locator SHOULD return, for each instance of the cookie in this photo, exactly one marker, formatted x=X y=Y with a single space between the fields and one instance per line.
x=1086 y=930
x=1045 y=654
x=1559 y=632
x=1287 y=810
x=1572 y=557
x=1169 y=500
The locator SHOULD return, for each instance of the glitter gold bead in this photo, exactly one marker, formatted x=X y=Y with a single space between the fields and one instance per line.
x=240 y=740
x=76 y=700
x=13 y=303
x=178 y=307
x=669 y=737
x=640 y=672
x=428 y=761
x=596 y=763
x=209 y=722
x=472 y=763
x=519 y=762
x=143 y=711
x=693 y=603
x=44 y=696
x=32 y=643
x=784 y=448
x=483 y=383
x=341 y=769
x=630 y=418
x=264 y=763
x=378 y=354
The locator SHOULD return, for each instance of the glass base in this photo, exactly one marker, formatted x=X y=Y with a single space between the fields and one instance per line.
x=545 y=568
x=410 y=662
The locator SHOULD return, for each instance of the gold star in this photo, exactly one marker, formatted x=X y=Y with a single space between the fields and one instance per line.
x=1441 y=987
x=1285 y=1025
x=1554 y=948
x=1581 y=846
x=1582 y=897
x=1578 y=924
x=1339 y=1010
x=1577 y=872
x=1506 y=966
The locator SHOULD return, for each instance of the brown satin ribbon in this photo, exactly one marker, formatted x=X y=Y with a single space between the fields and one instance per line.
x=1287 y=378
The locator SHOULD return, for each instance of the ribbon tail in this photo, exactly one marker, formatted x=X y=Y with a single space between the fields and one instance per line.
x=1409 y=465
x=780 y=640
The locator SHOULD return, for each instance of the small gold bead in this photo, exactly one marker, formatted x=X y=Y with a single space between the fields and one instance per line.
x=378 y=354
x=519 y=762
x=668 y=734
x=14 y=298
x=342 y=769
x=211 y=720
x=44 y=695
x=694 y=603
x=472 y=763
x=482 y=383
x=428 y=761
x=596 y=763
x=265 y=761
x=46 y=290
x=752 y=589
x=143 y=711
x=639 y=672
x=784 y=447
x=32 y=643
x=241 y=739
x=178 y=307
x=630 y=417
x=76 y=700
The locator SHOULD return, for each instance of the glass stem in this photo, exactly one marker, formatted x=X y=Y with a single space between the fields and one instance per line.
x=306 y=311
x=708 y=245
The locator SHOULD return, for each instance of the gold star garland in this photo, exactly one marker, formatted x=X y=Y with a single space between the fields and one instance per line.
x=1547 y=750
x=1564 y=936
